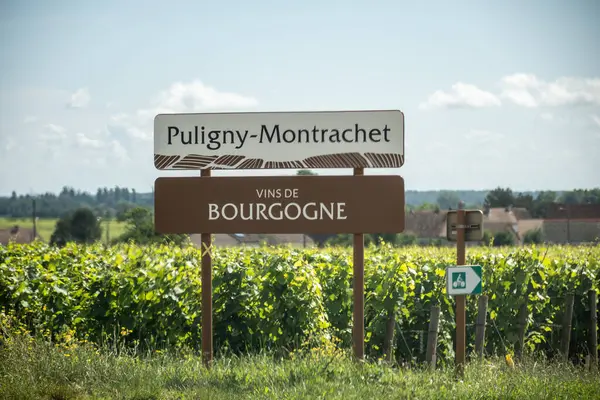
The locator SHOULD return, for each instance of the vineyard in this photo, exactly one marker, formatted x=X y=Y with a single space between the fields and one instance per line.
x=280 y=299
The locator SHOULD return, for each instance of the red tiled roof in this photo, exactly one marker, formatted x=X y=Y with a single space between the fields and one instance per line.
x=16 y=234
x=573 y=211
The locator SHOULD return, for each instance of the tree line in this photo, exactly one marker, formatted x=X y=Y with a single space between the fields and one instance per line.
x=115 y=202
x=83 y=226
x=111 y=202
x=537 y=204
x=78 y=212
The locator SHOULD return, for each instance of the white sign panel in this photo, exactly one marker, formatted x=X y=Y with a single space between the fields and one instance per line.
x=463 y=280
x=274 y=140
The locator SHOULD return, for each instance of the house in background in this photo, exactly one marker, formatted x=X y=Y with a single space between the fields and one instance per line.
x=564 y=224
x=431 y=225
x=17 y=234
x=529 y=225
x=572 y=223
x=426 y=225
x=503 y=219
x=521 y=213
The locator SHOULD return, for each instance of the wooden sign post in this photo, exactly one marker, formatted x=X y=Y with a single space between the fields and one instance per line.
x=301 y=204
x=358 y=289
x=463 y=225
x=461 y=317
x=207 y=330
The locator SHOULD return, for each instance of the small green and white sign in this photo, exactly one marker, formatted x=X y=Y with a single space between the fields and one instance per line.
x=464 y=279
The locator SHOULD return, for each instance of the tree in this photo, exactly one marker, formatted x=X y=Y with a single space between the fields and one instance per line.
x=140 y=229
x=499 y=197
x=524 y=201
x=81 y=226
x=62 y=233
x=85 y=226
x=542 y=202
x=447 y=199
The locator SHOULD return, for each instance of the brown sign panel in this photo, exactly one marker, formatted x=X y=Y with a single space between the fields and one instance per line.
x=280 y=204
x=473 y=225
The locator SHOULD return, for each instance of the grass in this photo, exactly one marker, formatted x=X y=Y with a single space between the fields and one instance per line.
x=45 y=226
x=36 y=369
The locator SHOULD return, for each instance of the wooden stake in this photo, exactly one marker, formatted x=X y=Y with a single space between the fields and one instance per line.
x=432 y=336
x=390 y=326
x=359 y=290
x=522 y=326
x=593 y=344
x=566 y=326
x=207 y=329
x=480 y=325
x=461 y=323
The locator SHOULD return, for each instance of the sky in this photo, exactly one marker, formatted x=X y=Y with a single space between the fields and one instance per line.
x=493 y=93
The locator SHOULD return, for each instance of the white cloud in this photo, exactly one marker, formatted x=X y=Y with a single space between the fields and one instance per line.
x=195 y=96
x=180 y=97
x=53 y=132
x=462 y=95
x=527 y=90
x=100 y=146
x=547 y=116
x=80 y=98
x=54 y=128
x=85 y=141
x=30 y=119
x=131 y=125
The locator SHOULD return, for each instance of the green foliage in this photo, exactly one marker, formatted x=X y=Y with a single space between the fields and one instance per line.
x=119 y=200
x=46 y=226
x=539 y=205
x=306 y=172
x=447 y=200
x=503 y=239
x=499 y=197
x=533 y=236
x=400 y=239
x=51 y=205
x=488 y=238
x=279 y=298
x=33 y=369
x=140 y=229
x=425 y=206
x=81 y=226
